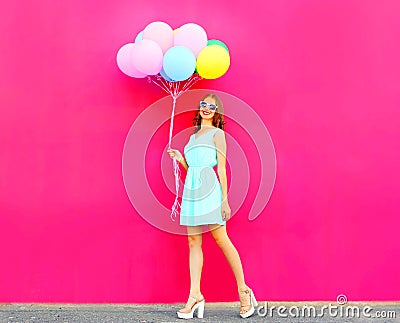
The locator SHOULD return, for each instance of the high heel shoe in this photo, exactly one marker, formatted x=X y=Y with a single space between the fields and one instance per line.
x=253 y=302
x=187 y=312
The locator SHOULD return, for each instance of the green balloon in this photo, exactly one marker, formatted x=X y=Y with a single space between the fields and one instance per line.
x=217 y=42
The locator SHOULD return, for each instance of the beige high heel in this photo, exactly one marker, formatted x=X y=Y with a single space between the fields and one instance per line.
x=197 y=302
x=244 y=296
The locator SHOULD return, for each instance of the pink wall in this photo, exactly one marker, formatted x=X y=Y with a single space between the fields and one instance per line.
x=323 y=77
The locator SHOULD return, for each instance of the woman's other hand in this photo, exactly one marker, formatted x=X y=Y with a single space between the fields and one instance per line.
x=225 y=210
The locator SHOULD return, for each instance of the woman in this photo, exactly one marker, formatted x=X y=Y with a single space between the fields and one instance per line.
x=205 y=202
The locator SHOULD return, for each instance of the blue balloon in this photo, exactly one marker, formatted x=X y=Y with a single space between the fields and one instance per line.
x=139 y=36
x=179 y=63
x=165 y=76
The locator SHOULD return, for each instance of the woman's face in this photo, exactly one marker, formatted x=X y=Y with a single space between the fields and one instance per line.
x=206 y=112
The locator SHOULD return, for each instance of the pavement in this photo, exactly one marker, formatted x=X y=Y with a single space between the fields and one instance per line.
x=306 y=312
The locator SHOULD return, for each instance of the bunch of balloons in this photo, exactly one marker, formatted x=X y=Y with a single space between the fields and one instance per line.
x=174 y=60
x=174 y=54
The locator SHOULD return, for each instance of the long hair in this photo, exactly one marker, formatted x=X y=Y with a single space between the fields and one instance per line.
x=218 y=118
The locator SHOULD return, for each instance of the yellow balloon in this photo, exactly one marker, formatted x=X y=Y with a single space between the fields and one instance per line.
x=175 y=30
x=212 y=62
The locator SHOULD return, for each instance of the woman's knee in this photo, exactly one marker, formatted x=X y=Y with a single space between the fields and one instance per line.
x=221 y=241
x=195 y=241
x=220 y=237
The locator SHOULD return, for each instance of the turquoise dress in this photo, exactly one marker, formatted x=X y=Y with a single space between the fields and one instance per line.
x=202 y=192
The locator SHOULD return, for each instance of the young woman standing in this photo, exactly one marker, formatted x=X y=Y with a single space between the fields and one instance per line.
x=205 y=202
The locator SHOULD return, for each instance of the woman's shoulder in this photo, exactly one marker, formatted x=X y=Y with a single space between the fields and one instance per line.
x=218 y=135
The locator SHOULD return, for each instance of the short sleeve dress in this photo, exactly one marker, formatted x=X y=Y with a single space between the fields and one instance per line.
x=202 y=192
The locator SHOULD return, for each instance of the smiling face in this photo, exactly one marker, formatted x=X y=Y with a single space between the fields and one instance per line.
x=205 y=112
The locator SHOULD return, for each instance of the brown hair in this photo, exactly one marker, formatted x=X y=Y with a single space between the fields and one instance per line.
x=218 y=118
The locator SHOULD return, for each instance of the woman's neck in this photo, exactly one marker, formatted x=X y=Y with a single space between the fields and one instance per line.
x=206 y=123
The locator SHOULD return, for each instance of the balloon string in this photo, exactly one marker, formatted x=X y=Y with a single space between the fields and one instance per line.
x=171 y=126
x=176 y=204
x=159 y=83
x=175 y=89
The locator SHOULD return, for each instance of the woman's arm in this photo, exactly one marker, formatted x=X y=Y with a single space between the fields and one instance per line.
x=183 y=162
x=220 y=145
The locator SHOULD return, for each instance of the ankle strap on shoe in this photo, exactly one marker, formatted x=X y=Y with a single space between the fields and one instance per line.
x=197 y=298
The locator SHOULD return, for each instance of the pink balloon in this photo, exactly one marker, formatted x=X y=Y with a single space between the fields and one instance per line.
x=125 y=61
x=192 y=36
x=161 y=33
x=147 y=57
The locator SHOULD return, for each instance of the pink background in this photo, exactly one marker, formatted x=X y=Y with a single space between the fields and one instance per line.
x=322 y=75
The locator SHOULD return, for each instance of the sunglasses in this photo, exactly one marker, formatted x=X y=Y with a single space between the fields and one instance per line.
x=211 y=106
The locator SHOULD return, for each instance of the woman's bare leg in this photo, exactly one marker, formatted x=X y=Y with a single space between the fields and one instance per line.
x=195 y=258
x=221 y=238
x=195 y=264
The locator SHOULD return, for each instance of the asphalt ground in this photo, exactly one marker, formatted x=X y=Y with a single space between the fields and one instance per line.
x=214 y=312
